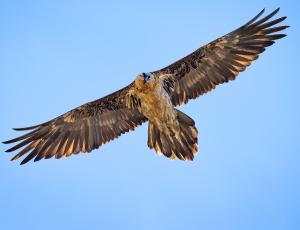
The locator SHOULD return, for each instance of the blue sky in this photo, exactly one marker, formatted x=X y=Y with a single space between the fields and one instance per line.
x=56 y=55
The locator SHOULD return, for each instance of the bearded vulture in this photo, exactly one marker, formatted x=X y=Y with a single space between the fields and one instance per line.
x=153 y=97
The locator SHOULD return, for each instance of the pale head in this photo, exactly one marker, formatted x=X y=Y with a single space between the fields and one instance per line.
x=143 y=79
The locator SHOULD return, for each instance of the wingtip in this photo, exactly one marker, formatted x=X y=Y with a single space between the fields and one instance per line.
x=274 y=11
x=24 y=161
x=27 y=128
x=282 y=36
x=13 y=159
x=262 y=11
x=37 y=159
x=8 y=150
x=17 y=129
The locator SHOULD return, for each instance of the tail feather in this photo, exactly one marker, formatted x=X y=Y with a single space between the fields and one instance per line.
x=182 y=146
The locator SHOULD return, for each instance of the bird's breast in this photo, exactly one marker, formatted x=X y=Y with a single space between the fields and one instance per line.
x=158 y=108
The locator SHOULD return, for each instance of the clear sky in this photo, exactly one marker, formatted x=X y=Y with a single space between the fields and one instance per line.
x=56 y=55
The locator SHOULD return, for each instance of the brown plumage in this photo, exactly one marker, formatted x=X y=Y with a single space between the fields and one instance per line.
x=152 y=97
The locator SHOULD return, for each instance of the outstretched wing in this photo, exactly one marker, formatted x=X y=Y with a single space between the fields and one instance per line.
x=221 y=60
x=80 y=130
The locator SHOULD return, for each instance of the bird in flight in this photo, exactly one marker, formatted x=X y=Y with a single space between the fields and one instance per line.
x=152 y=97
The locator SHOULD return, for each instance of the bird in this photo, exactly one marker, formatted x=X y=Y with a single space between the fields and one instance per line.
x=153 y=97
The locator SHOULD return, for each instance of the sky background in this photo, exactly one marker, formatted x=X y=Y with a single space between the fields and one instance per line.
x=57 y=55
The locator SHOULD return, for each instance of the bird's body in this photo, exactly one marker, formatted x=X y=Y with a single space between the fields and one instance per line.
x=153 y=97
x=156 y=104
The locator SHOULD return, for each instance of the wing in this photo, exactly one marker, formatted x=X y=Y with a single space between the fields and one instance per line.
x=79 y=130
x=221 y=60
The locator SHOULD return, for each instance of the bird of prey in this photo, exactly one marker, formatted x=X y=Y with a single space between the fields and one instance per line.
x=153 y=97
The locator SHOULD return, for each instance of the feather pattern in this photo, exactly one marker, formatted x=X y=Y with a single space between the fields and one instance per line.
x=221 y=60
x=80 y=130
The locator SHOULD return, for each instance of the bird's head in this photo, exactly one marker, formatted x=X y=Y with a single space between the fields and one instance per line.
x=143 y=80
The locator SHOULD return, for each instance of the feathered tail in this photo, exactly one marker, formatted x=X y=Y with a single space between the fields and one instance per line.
x=183 y=146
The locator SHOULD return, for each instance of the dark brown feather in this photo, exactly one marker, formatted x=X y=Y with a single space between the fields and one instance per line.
x=80 y=130
x=221 y=60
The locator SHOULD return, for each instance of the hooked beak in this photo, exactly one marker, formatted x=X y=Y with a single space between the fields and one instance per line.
x=146 y=77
